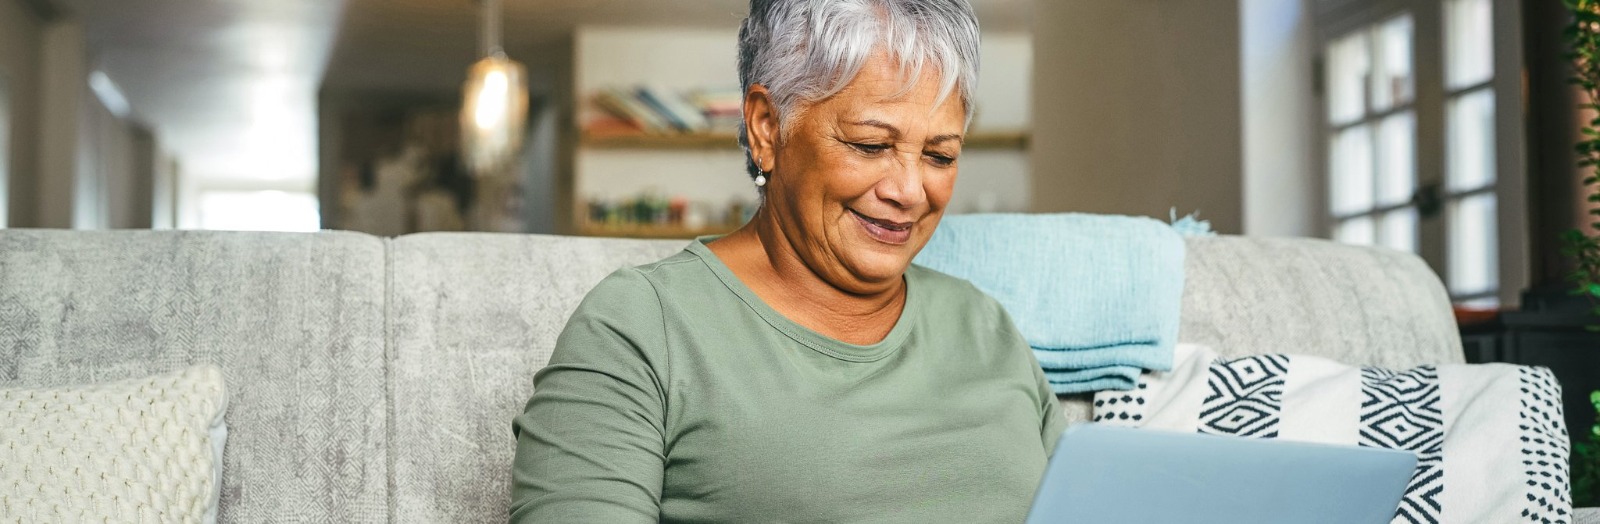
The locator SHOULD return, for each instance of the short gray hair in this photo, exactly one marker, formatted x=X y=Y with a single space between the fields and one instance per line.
x=804 y=51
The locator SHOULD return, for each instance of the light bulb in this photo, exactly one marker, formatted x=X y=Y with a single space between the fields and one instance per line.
x=494 y=111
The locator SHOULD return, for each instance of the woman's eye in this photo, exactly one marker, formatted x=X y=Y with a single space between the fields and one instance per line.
x=940 y=160
x=870 y=149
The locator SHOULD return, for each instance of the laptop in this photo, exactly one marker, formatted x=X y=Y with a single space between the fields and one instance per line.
x=1111 y=475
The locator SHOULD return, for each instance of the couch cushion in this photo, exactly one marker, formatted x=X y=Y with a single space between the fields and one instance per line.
x=295 y=321
x=1357 y=305
x=472 y=317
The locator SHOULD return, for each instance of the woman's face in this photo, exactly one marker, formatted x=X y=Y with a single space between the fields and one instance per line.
x=863 y=177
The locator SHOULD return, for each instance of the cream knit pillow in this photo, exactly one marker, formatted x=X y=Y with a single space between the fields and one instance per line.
x=141 y=450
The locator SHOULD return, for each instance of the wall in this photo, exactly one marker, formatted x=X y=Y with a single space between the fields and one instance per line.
x=20 y=41
x=63 y=84
x=990 y=179
x=1137 y=110
x=1281 y=193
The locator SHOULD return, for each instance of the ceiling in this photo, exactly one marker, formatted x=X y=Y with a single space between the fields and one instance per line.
x=230 y=86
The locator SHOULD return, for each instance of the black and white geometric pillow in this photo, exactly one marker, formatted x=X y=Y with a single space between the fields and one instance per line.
x=1490 y=440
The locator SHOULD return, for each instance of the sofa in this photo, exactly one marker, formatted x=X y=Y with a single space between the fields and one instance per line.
x=374 y=379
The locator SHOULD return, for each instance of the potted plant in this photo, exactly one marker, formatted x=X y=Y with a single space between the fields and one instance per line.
x=1584 y=35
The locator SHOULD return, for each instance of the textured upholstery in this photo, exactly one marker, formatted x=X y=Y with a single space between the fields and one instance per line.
x=295 y=321
x=473 y=316
x=1362 y=306
x=60 y=464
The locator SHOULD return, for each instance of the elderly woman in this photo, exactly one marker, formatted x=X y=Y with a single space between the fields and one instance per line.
x=800 y=368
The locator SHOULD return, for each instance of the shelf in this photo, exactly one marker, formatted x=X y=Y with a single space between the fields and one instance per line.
x=982 y=140
x=651 y=231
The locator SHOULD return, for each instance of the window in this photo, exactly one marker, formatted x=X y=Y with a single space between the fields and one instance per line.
x=1413 y=159
x=1372 y=122
x=1470 y=175
x=259 y=211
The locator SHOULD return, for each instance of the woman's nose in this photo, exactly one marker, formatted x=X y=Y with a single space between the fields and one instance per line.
x=902 y=185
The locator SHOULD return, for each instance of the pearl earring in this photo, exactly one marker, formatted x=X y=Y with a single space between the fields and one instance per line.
x=761 y=176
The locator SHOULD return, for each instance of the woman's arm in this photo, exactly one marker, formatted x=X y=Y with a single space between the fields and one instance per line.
x=590 y=444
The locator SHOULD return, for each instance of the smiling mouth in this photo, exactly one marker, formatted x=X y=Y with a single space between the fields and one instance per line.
x=886 y=231
x=886 y=224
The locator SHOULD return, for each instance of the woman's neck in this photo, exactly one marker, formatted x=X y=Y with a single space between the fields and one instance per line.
x=764 y=259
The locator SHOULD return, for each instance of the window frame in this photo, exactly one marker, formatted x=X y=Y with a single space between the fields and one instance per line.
x=1333 y=19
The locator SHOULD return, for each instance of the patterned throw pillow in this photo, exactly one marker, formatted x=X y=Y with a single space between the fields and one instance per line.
x=1490 y=440
x=141 y=450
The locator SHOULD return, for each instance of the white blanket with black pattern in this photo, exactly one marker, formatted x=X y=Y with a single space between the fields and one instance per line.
x=1490 y=439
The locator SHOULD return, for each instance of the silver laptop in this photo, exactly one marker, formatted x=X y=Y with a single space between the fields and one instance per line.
x=1111 y=475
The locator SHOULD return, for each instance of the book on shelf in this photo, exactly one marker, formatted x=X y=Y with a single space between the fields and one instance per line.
x=657 y=110
x=673 y=109
x=625 y=104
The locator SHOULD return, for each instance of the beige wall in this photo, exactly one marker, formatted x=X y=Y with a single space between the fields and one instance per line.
x=1281 y=193
x=1137 y=108
x=20 y=29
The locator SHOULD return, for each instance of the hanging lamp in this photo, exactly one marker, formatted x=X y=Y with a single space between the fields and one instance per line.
x=494 y=105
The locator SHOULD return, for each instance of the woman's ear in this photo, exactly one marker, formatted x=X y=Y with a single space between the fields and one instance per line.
x=761 y=125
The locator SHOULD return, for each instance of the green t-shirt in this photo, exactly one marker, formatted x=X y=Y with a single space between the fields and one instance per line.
x=675 y=394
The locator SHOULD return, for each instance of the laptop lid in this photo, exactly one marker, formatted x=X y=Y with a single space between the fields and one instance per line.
x=1110 y=475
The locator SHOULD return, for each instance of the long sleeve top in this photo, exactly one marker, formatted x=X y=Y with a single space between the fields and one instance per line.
x=676 y=395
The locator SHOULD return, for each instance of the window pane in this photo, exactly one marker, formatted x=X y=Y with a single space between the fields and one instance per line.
x=259 y=211
x=1349 y=63
x=1469 y=40
x=1397 y=159
x=1391 y=79
x=1350 y=170
x=1471 y=141
x=1358 y=231
x=1398 y=230
x=1474 y=266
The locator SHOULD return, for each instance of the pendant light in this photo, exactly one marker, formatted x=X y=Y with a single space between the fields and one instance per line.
x=494 y=105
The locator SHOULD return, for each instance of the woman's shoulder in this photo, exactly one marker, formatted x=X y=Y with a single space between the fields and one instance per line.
x=642 y=281
x=642 y=287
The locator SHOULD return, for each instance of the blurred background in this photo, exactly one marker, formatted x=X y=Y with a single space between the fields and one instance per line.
x=1443 y=128
x=1440 y=127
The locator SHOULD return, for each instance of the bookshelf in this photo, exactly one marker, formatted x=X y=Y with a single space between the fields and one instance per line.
x=1012 y=140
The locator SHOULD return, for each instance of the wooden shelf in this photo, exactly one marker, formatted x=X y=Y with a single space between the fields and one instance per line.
x=981 y=140
x=650 y=231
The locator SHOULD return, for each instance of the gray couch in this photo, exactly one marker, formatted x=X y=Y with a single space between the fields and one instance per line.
x=374 y=380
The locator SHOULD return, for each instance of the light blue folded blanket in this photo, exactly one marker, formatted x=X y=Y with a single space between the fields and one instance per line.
x=1096 y=296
